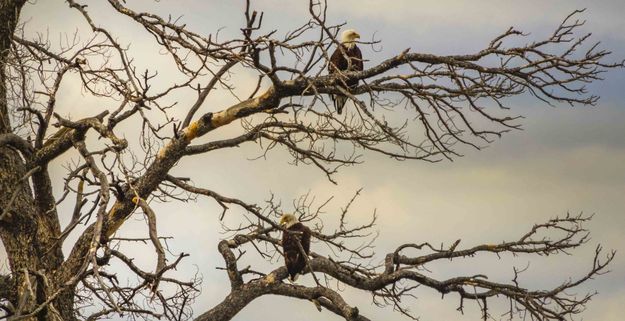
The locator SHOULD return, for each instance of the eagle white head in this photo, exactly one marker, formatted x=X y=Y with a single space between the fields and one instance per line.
x=288 y=220
x=348 y=38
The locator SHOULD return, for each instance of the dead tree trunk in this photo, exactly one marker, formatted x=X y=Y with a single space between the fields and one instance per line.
x=29 y=226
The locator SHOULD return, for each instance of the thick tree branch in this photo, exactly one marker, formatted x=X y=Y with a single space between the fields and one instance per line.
x=448 y=103
x=18 y=143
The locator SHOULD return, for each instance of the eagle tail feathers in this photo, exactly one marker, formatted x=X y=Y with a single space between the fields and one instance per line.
x=339 y=102
x=317 y=304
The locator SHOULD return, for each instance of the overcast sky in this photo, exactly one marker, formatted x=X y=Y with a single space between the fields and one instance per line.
x=565 y=160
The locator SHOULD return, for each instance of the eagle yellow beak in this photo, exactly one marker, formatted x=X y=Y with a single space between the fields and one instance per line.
x=356 y=36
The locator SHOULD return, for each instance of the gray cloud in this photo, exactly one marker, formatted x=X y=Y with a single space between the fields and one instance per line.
x=565 y=159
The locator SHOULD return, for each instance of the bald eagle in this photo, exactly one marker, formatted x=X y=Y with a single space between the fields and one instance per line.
x=345 y=58
x=296 y=233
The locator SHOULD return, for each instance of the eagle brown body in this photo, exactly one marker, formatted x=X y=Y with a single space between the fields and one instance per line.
x=294 y=259
x=344 y=59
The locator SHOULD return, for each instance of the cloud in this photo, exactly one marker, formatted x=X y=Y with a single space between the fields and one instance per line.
x=564 y=160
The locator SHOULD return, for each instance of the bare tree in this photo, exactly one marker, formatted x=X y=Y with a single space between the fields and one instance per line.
x=409 y=106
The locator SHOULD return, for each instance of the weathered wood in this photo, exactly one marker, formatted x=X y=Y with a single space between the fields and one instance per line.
x=30 y=228
x=42 y=283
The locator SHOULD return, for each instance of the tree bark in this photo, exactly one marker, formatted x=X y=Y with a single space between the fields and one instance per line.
x=231 y=305
x=29 y=226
